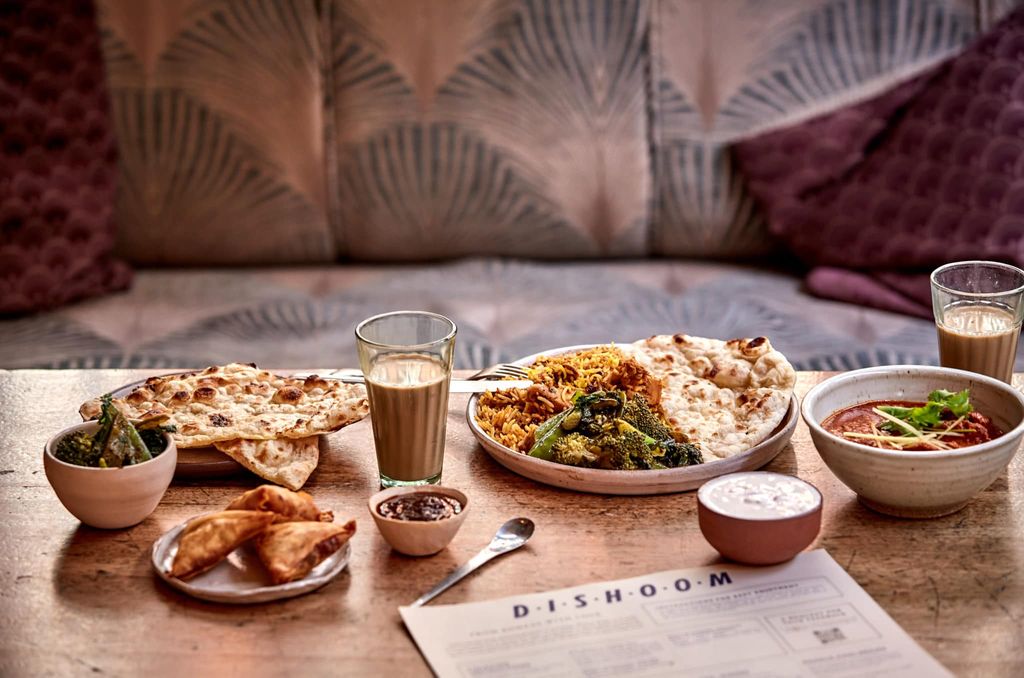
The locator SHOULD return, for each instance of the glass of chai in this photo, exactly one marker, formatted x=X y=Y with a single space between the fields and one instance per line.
x=406 y=358
x=978 y=309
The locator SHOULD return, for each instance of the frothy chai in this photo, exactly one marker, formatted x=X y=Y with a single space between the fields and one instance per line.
x=408 y=407
x=978 y=337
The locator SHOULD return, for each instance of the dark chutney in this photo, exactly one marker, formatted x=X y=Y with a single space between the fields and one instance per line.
x=427 y=506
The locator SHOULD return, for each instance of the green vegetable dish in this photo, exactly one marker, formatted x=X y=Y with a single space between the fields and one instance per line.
x=116 y=443
x=606 y=430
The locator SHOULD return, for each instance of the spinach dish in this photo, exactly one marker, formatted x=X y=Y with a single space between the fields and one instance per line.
x=116 y=443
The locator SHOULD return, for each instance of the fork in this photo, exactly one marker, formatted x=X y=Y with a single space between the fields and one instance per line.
x=499 y=371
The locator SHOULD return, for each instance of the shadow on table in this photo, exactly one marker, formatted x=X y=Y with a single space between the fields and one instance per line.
x=850 y=514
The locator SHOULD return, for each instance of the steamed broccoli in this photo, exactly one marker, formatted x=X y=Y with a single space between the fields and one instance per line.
x=573 y=450
x=680 y=454
x=625 y=449
x=589 y=415
x=603 y=430
x=639 y=413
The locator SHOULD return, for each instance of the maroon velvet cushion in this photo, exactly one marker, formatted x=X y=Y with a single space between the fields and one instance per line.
x=57 y=158
x=930 y=172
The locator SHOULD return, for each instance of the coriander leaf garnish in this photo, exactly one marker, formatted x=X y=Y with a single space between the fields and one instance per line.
x=958 y=403
x=930 y=414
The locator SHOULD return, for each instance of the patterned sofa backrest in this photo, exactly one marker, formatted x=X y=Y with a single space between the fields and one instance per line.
x=290 y=131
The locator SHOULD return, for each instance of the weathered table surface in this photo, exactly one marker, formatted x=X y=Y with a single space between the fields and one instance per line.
x=77 y=600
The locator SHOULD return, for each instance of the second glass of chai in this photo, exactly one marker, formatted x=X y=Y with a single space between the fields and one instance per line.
x=978 y=308
x=406 y=358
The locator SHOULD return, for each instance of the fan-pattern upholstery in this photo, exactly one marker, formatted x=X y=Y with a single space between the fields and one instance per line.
x=297 y=131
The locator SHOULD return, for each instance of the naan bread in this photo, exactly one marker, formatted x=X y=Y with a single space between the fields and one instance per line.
x=725 y=395
x=286 y=505
x=290 y=551
x=285 y=461
x=241 y=401
x=209 y=539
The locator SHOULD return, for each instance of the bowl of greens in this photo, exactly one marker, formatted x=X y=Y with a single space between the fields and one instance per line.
x=109 y=473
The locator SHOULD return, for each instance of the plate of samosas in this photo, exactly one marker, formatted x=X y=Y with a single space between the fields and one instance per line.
x=267 y=544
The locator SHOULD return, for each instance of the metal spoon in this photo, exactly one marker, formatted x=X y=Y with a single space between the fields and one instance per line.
x=510 y=536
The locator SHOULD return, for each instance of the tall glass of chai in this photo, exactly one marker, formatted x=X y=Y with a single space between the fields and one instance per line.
x=406 y=358
x=978 y=308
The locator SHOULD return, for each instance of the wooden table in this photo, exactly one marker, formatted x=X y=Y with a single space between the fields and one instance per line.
x=77 y=600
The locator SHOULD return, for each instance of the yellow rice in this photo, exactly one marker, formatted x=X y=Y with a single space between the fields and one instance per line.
x=510 y=417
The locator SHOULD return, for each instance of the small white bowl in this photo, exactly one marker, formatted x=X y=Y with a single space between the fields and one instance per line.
x=915 y=484
x=418 y=537
x=758 y=533
x=109 y=498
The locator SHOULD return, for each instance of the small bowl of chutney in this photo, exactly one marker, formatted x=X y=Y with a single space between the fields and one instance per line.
x=418 y=520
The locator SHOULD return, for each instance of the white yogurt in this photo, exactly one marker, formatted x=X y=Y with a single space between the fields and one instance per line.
x=759 y=496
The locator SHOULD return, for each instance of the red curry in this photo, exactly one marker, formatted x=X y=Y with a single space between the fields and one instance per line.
x=862 y=420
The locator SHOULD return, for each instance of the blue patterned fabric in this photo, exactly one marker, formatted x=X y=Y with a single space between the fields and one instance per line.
x=504 y=309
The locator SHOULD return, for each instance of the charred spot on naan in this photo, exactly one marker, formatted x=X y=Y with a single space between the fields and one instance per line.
x=288 y=394
x=204 y=394
x=258 y=388
x=313 y=383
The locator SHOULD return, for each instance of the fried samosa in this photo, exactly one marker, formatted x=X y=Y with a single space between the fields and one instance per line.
x=209 y=539
x=285 y=504
x=290 y=551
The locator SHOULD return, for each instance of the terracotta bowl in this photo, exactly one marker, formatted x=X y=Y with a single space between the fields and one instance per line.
x=417 y=537
x=915 y=484
x=762 y=539
x=109 y=498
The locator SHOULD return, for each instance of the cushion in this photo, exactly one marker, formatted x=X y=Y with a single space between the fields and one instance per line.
x=58 y=154
x=930 y=172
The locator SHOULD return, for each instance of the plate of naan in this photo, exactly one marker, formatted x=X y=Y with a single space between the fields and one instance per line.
x=231 y=416
x=732 y=398
x=269 y=543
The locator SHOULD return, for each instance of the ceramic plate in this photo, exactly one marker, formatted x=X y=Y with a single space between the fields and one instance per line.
x=664 y=481
x=240 y=578
x=194 y=462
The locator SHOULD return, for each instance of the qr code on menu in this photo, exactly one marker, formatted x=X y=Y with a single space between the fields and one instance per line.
x=826 y=636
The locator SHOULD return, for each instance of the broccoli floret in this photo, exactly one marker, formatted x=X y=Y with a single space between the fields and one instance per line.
x=677 y=454
x=574 y=450
x=639 y=413
x=625 y=449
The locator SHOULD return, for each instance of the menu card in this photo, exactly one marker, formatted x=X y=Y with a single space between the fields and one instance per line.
x=806 y=617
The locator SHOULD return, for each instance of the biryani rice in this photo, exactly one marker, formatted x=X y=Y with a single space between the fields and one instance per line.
x=510 y=417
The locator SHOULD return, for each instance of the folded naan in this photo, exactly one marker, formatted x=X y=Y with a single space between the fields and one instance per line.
x=727 y=396
x=284 y=504
x=209 y=539
x=285 y=461
x=236 y=401
x=290 y=551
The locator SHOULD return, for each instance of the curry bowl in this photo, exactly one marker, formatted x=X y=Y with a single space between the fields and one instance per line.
x=915 y=484
x=109 y=498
